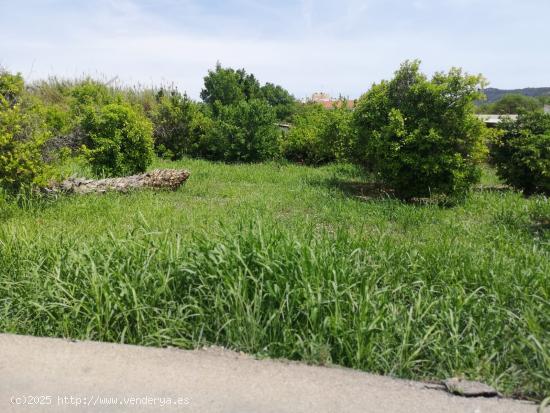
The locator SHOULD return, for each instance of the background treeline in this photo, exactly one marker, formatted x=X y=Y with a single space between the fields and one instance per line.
x=419 y=136
x=514 y=103
x=494 y=94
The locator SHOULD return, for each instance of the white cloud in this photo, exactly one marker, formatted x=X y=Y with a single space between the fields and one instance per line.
x=305 y=48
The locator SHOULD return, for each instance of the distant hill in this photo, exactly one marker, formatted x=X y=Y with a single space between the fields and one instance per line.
x=494 y=94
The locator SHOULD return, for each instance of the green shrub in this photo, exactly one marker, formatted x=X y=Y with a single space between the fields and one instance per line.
x=243 y=132
x=206 y=137
x=63 y=106
x=281 y=100
x=58 y=120
x=119 y=140
x=302 y=143
x=318 y=135
x=173 y=122
x=338 y=134
x=521 y=152
x=22 y=136
x=11 y=87
x=421 y=136
x=89 y=93
x=21 y=139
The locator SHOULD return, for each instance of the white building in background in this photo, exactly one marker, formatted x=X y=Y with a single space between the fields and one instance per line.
x=546 y=108
x=494 y=120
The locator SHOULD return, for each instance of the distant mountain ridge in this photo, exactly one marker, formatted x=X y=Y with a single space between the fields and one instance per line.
x=494 y=94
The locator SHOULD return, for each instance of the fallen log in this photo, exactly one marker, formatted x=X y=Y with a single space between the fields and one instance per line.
x=158 y=178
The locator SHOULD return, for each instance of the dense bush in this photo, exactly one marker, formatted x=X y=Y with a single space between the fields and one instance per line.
x=228 y=86
x=11 y=88
x=421 y=136
x=243 y=132
x=22 y=136
x=522 y=152
x=302 y=143
x=119 y=140
x=282 y=101
x=338 y=133
x=58 y=120
x=174 y=124
x=89 y=93
x=319 y=135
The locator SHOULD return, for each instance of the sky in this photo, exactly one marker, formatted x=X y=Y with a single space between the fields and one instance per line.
x=341 y=46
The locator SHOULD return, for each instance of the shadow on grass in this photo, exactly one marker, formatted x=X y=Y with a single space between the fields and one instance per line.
x=360 y=189
x=359 y=184
x=541 y=227
x=377 y=191
x=492 y=188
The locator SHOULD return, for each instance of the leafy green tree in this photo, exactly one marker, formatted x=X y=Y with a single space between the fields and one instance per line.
x=119 y=140
x=173 y=121
x=249 y=85
x=522 y=152
x=421 y=136
x=281 y=100
x=229 y=86
x=242 y=132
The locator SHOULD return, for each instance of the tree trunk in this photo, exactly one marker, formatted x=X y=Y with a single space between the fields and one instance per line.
x=159 y=178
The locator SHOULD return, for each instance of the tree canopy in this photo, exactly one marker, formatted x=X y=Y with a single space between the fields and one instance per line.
x=229 y=86
x=419 y=135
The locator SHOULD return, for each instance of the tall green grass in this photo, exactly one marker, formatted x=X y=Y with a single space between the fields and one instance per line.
x=294 y=262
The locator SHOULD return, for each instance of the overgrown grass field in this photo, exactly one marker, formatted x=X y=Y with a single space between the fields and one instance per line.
x=295 y=262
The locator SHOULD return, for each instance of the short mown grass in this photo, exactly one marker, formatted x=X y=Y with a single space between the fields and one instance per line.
x=295 y=262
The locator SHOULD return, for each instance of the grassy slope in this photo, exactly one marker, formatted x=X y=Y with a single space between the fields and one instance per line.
x=286 y=261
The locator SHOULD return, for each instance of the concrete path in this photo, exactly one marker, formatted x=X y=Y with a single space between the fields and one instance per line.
x=43 y=374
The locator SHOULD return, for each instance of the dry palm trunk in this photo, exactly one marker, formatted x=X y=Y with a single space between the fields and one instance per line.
x=159 y=178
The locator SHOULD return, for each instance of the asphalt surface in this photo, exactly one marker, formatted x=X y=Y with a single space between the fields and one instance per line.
x=50 y=375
